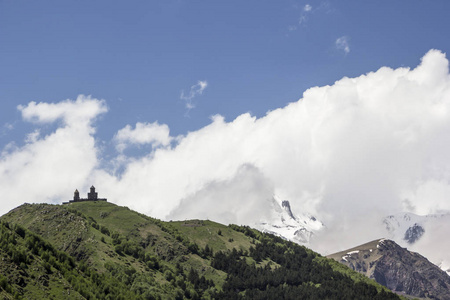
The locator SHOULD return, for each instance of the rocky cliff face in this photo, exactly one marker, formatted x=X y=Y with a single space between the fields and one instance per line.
x=413 y=233
x=398 y=269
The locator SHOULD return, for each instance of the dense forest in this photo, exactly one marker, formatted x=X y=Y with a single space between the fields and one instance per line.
x=103 y=251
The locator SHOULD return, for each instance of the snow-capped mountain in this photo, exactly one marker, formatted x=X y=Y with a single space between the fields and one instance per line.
x=296 y=228
x=405 y=227
x=424 y=234
x=420 y=233
x=409 y=227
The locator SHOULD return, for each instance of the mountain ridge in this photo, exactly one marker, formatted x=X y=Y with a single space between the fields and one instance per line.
x=95 y=249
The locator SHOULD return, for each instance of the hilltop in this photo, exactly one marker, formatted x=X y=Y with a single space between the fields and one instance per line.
x=98 y=250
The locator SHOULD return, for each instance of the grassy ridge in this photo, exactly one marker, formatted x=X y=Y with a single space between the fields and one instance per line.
x=139 y=257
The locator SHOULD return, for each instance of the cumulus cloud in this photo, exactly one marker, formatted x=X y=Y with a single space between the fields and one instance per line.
x=342 y=43
x=81 y=111
x=46 y=168
x=350 y=153
x=144 y=133
x=361 y=145
x=195 y=90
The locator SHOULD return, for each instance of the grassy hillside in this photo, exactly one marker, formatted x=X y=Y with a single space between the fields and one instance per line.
x=97 y=250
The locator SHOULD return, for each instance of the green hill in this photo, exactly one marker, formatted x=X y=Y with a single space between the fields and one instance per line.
x=97 y=250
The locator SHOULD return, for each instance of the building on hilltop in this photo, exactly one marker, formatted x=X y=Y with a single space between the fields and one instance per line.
x=76 y=196
x=92 y=196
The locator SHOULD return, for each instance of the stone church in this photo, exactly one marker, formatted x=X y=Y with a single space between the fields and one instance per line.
x=91 y=196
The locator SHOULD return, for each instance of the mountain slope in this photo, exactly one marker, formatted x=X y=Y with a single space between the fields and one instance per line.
x=97 y=250
x=397 y=268
x=32 y=268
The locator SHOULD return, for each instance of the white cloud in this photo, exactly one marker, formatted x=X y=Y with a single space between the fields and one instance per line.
x=33 y=137
x=81 y=111
x=307 y=7
x=195 y=90
x=350 y=153
x=342 y=43
x=46 y=168
x=144 y=133
x=340 y=152
x=434 y=244
x=336 y=136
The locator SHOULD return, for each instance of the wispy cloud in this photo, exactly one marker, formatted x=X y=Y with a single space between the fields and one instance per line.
x=47 y=166
x=307 y=9
x=195 y=90
x=305 y=13
x=6 y=127
x=342 y=43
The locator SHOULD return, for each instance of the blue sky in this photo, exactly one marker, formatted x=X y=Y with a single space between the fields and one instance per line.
x=340 y=107
x=255 y=55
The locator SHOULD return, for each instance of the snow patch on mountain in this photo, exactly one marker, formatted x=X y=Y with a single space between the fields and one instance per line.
x=283 y=222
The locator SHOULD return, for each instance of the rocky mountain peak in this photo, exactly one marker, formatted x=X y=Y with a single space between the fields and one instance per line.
x=400 y=270
x=413 y=233
x=283 y=222
x=287 y=206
